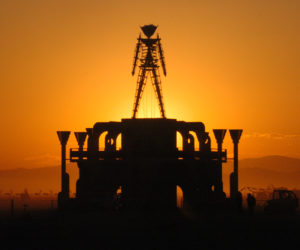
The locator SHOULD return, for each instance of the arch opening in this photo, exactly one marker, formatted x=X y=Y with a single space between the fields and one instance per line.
x=179 y=196
x=179 y=141
x=117 y=198
x=119 y=142
x=196 y=141
x=102 y=141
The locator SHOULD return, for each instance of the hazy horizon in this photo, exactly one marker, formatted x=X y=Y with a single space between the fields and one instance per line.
x=277 y=171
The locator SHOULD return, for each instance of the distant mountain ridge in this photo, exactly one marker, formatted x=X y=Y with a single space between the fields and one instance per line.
x=274 y=162
x=275 y=170
x=256 y=172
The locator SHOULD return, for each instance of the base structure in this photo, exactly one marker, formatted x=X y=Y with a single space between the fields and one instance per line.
x=147 y=168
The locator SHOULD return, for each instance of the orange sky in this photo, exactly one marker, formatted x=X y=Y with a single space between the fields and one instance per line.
x=65 y=65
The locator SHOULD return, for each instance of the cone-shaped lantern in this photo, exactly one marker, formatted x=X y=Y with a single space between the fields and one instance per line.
x=219 y=135
x=63 y=137
x=80 y=137
x=64 y=194
x=234 y=177
x=235 y=135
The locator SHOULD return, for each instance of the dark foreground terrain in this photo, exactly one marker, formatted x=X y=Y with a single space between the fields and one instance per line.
x=178 y=230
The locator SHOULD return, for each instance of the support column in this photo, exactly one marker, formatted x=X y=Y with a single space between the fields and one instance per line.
x=219 y=135
x=64 y=194
x=234 y=177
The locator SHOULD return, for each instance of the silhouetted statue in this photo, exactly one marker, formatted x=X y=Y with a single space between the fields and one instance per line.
x=148 y=52
x=251 y=201
x=239 y=201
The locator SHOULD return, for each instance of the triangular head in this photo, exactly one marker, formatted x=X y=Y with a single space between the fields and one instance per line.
x=149 y=30
x=63 y=137
x=235 y=135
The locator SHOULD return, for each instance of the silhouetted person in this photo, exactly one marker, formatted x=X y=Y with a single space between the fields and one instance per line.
x=26 y=213
x=12 y=207
x=251 y=203
x=239 y=201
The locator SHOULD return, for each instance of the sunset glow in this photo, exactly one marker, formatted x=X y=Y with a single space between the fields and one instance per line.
x=66 y=65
